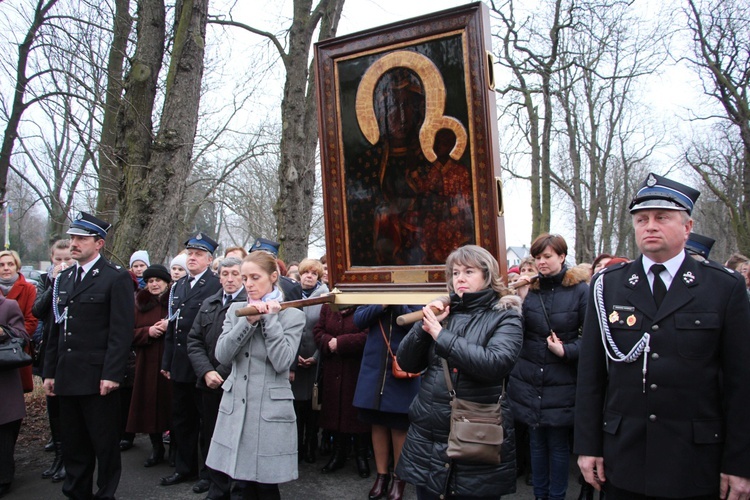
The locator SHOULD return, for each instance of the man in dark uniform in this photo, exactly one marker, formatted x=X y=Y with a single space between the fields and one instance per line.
x=291 y=289
x=662 y=400
x=85 y=359
x=202 y=339
x=699 y=246
x=187 y=295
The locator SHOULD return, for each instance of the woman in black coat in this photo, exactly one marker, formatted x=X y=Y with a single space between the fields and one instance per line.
x=479 y=334
x=542 y=388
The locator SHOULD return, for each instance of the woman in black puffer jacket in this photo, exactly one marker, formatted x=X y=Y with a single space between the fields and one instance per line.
x=480 y=335
x=542 y=387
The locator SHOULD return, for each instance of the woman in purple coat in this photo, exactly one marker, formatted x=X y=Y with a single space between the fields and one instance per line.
x=341 y=345
x=13 y=407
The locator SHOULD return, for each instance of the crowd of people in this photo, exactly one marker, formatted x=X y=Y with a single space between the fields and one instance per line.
x=637 y=367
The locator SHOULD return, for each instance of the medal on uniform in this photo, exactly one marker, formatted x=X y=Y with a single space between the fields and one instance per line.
x=614 y=317
x=630 y=320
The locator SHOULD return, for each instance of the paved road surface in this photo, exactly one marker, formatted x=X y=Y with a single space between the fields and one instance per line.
x=140 y=483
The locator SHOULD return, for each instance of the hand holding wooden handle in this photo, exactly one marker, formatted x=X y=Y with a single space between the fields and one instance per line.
x=327 y=298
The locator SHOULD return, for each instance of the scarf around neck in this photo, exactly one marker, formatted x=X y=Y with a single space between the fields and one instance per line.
x=6 y=285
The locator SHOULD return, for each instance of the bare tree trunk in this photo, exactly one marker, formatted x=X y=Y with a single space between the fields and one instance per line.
x=299 y=133
x=19 y=106
x=136 y=128
x=110 y=174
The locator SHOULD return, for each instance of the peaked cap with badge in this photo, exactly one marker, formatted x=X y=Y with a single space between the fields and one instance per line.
x=86 y=224
x=662 y=389
x=658 y=192
x=203 y=242
x=266 y=245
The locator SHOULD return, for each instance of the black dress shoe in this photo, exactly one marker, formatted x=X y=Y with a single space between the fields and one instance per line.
x=175 y=478
x=125 y=445
x=50 y=446
x=156 y=457
x=201 y=486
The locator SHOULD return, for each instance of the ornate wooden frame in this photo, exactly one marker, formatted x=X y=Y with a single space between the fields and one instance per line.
x=375 y=88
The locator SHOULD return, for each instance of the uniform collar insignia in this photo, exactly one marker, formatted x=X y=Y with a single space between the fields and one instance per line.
x=94 y=272
x=688 y=277
x=633 y=280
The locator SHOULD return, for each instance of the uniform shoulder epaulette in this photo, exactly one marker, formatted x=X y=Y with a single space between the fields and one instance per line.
x=715 y=265
x=609 y=269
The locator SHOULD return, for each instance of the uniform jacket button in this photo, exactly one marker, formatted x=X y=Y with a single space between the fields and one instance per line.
x=654 y=387
x=655 y=327
x=697 y=322
x=655 y=355
x=652 y=417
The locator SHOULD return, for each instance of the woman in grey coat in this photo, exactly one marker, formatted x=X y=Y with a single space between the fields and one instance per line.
x=255 y=440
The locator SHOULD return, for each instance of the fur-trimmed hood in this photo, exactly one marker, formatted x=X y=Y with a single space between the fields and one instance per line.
x=145 y=300
x=569 y=276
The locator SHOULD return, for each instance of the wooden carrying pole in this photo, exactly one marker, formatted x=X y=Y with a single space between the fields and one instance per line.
x=413 y=317
x=328 y=298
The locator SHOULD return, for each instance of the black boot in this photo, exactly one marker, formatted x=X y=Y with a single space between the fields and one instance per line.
x=340 y=451
x=325 y=443
x=311 y=448
x=362 y=444
x=157 y=451
x=57 y=462
x=59 y=475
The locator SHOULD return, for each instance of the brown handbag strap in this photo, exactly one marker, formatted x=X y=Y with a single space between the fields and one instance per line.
x=385 y=338
x=449 y=382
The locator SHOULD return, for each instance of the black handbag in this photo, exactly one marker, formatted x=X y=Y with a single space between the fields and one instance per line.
x=12 y=355
x=476 y=429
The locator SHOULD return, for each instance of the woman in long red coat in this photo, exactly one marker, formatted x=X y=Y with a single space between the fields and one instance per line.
x=150 y=407
x=341 y=344
x=14 y=286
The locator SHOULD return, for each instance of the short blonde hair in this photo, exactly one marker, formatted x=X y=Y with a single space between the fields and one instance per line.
x=310 y=265
x=14 y=254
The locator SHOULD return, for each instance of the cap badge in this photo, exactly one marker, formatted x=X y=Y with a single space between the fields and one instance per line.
x=633 y=280
x=199 y=236
x=631 y=320
x=79 y=216
x=651 y=181
x=688 y=277
x=614 y=317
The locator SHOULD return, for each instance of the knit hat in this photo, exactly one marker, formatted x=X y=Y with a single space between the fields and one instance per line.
x=180 y=260
x=157 y=271
x=141 y=255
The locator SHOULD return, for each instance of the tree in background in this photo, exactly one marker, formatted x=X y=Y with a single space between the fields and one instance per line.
x=721 y=36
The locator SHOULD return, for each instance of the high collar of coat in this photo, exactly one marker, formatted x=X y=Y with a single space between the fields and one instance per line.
x=145 y=300
x=569 y=276
x=484 y=299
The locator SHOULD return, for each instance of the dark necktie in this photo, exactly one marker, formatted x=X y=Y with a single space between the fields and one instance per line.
x=190 y=281
x=79 y=277
x=227 y=298
x=660 y=289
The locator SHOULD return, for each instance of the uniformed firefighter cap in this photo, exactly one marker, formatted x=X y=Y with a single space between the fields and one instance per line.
x=699 y=244
x=266 y=245
x=658 y=192
x=86 y=224
x=202 y=242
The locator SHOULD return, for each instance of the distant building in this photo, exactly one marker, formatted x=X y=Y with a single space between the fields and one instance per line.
x=516 y=254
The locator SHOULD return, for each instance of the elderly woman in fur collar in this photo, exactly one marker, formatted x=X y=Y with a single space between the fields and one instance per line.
x=479 y=333
x=542 y=388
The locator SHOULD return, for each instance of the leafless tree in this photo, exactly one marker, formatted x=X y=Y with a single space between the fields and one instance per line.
x=721 y=36
x=299 y=132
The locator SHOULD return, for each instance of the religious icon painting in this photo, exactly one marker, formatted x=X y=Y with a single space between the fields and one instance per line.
x=408 y=150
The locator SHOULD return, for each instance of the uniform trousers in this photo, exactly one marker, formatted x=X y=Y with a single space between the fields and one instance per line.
x=220 y=482
x=90 y=438
x=186 y=420
x=8 y=437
